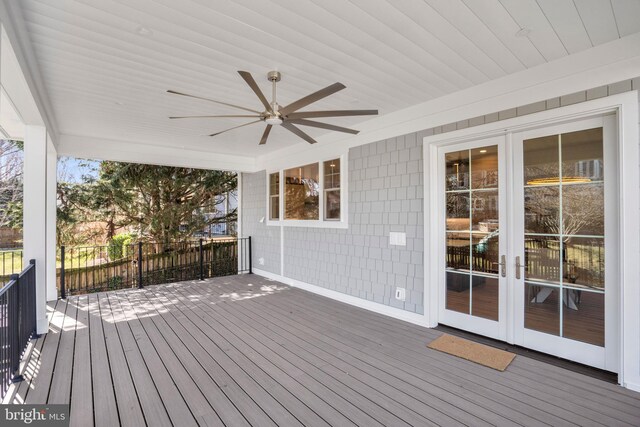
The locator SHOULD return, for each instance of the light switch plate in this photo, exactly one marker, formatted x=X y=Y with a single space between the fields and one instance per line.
x=401 y=294
x=397 y=238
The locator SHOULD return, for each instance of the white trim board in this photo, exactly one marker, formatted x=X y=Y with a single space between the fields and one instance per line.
x=396 y=313
x=134 y=152
x=626 y=107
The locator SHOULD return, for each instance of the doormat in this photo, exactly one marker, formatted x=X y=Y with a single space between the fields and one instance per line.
x=473 y=351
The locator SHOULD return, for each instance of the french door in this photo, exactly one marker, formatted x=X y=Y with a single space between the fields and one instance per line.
x=527 y=219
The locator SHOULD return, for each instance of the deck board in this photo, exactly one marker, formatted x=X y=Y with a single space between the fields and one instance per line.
x=105 y=411
x=81 y=392
x=243 y=350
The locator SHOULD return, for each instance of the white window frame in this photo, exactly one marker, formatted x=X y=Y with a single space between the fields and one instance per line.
x=269 y=196
x=321 y=222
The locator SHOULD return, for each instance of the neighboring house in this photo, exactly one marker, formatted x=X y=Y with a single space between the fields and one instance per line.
x=498 y=190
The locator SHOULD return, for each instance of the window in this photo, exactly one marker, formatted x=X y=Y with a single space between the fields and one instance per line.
x=332 y=190
x=311 y=195
x=301 y=193
x=274 y=196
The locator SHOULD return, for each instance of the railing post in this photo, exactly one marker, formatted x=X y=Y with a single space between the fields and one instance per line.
x=250 y=267
x=139 y=265
x=32 y=299
x=201 y=262
x=13 y=324
x=63 y=290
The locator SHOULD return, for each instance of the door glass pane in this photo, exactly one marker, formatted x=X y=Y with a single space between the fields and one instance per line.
x=458 y=251
x=564 y=235
x=458 y=293
x=541 y=161
x=583 y=316
x=582 y=155
x=485 y=210
x=542 y=259
x=457 y=170
x=458 y=214
x=583 y=209
x=584 y=262
x=472 y=231
x=485 y=297
x=484 y=167
x=541 y=308
x=485 y=252
x=542 y=209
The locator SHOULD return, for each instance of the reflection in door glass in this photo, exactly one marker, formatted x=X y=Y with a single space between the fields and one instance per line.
x=457 y=170
x=564 y=235
x=485 y=297
x=472 y=225
x=541 y=308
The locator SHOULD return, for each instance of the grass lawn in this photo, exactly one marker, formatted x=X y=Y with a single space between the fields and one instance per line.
x=10 y=262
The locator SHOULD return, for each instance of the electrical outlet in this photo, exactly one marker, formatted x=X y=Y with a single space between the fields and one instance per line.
x=261 y=261
x=401 y=294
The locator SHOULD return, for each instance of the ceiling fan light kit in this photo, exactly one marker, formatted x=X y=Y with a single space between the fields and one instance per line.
x=287 y=116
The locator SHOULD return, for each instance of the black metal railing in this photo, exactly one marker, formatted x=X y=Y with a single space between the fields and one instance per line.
x=101 y=268
x=17 y=323
x=10 y=263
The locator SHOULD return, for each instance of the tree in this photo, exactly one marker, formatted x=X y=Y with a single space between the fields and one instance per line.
x=11 y=159
x=164 y=203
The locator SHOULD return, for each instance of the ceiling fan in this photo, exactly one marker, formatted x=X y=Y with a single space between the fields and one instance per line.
x=288 y=116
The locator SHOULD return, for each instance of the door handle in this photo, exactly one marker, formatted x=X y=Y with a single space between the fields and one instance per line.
x=518 y=267
x=503 y=265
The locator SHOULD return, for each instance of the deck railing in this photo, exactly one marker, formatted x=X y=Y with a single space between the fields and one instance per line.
x=10 y=263
x=99 y=268
x=17 y=323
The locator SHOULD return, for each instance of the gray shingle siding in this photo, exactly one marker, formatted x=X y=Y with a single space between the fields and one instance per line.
x=265 y=240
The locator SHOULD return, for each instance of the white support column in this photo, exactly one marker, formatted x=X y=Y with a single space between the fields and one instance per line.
x=34 y=216
x=52 y=205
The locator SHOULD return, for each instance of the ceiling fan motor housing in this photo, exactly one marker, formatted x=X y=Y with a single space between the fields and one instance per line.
x=274 y=76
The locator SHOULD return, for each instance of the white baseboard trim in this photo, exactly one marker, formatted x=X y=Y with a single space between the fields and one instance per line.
x=632 y=386
x=396 y=313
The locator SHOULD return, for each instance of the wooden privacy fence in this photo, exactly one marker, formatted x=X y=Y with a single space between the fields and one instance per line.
x=92 y=269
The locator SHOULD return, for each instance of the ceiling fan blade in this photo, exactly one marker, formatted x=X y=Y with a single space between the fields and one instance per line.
x=213 y=100
x=254 y=86
x=297 y=131
x=211 y=117
x=304 y=122
x=309 y=99
x=334 y=113
x=235 y=127
x=265 y=135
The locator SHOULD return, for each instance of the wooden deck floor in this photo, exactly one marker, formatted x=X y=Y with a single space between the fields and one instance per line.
x=242 y=350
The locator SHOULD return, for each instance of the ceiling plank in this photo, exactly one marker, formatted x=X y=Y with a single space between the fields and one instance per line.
x=598 y=19
x=501 y=23
x=565 y=20
x=627 y=16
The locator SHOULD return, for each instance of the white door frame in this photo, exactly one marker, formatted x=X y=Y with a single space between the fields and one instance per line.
x=491 y=328
x=625 y=106
x=606 y=357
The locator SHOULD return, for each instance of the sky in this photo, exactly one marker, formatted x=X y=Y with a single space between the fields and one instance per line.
x=71 y=169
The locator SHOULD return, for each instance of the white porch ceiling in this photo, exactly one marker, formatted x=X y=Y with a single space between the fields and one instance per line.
x=106 y=80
